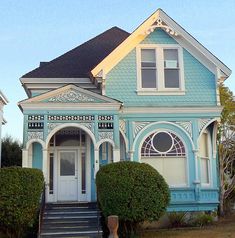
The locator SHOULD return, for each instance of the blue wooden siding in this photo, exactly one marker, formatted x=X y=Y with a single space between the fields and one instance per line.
x=121 y=82
x=37 y=155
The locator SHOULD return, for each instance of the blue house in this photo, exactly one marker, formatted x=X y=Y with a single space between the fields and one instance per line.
x=150 y=96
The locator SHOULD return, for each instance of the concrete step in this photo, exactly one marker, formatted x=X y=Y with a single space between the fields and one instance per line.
x=71 y=220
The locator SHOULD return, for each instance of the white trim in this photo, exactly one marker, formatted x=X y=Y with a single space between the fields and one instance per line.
x=160 y=78
x=39 y=98
x=103 y=141
x=208 y=160
x=70 y=106
x=204 y=129
x=55 y=80
x=167 y=110
x=30 y=142
x=154 y=92
x=161 y=122
x=125 y=140
x=187 y=184
x=64 y=125
x=3 y=98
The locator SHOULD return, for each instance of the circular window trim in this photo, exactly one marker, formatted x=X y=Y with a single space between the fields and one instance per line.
x=172 y=142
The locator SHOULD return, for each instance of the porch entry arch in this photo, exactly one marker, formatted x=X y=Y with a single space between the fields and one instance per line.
x=168 y=149
x=69 y=164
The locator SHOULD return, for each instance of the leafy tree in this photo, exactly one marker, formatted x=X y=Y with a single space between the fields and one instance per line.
x=227 y=100
x=226 y=141
x=11 y=152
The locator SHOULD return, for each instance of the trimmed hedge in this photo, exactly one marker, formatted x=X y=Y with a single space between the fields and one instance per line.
x=20 y=190
x=134 y=191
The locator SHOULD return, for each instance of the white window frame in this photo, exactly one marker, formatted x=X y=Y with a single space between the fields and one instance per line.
x=209 y=164
x=186 y=158
x=160 y=88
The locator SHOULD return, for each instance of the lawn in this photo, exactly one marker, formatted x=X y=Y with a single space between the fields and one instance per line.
x=225 y=228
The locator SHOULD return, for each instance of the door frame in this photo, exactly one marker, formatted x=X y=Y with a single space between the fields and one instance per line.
x=85 y=197
x=77 y=163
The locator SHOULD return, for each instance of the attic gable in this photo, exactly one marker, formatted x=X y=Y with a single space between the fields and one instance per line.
x=160 y=20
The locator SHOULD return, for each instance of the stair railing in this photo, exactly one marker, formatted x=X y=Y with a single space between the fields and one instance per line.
x=41 y=209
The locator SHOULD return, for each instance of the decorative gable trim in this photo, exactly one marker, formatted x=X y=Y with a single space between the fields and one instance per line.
x=160 y=24
x=160 y=19
x=70 y=94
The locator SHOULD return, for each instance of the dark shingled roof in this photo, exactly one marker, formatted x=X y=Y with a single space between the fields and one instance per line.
x=78 y=62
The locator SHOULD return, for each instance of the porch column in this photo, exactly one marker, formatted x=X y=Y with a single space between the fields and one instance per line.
x=25 y=158
x=116 y=155
x=96 y=161
x=44 y=163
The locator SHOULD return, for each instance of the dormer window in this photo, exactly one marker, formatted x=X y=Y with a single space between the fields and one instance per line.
x=160 y=70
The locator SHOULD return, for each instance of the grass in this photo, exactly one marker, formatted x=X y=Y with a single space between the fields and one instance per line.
x=224 y=228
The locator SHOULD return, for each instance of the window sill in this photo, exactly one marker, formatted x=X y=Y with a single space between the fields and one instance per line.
x=155 y=92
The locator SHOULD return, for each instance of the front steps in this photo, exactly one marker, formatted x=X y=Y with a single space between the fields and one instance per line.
x=71 y=220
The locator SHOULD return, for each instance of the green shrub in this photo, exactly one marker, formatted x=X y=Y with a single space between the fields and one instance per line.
x=177 y=219
x=133 y=191
x=202 y=219
x=20 y=190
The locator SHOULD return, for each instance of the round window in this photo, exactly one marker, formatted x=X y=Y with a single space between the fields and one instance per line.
x=162 y=142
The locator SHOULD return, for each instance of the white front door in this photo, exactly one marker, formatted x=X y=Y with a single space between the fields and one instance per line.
x=68 y=175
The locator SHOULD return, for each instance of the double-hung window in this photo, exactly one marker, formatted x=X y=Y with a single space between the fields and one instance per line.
x=204 y=149
x=160 y=70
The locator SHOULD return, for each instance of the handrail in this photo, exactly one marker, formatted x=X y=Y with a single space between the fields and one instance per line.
x=41 y=210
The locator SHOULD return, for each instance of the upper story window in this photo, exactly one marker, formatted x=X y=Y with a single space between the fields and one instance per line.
x=160 y=70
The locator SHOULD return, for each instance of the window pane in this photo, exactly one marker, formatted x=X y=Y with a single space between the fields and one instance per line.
x=149 y=78
x=204 y=171
x=148 y=64
x=67 y=164
x=162 y=142
x=148 y=55
x=171 y=78
x=204 y=145
x=171 y=54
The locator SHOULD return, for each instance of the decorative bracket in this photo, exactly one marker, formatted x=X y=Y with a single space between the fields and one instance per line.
x=160 y=24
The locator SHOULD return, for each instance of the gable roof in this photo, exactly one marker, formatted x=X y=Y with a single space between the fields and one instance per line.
x=78 y=62
x=70 y=96
x=159 y=19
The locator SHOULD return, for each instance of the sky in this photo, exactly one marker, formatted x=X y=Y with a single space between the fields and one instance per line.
x=40 y=30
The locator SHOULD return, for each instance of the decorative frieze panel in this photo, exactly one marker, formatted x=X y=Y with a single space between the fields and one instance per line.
x=35 y=135
x=35 y=125
x=71 y=96
x=35 y=117
x=105 y=117
x=138 y=126
x=52 y=126
x=186 y=125
x=105 y=125
x=105 y=135
x=202 y=123
x=71 y=118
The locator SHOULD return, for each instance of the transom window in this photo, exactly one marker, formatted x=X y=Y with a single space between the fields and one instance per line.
x=160 y=69
x=165 y=152
x=163 y=143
